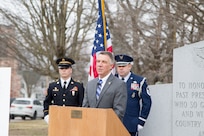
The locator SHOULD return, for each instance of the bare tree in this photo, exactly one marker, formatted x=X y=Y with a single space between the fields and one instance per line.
x=50 y=29
x=31 y=79
x=149 y=30
x=46 y=30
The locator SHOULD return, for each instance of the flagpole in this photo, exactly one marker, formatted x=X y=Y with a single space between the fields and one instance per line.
x=104 y=23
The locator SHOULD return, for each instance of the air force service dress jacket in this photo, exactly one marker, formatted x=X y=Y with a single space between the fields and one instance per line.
x=135 y=114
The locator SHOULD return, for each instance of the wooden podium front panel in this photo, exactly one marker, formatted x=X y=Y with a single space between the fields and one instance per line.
x=62 y=123
x=114 y=123
x=79 y=121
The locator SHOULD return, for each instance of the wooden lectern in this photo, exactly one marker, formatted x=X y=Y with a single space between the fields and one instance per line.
x=80 y=121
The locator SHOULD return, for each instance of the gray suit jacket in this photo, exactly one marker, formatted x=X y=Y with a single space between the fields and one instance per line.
x=113 y=95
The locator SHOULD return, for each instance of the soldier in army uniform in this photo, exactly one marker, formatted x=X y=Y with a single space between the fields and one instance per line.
x=65 y=91
x=137 y=89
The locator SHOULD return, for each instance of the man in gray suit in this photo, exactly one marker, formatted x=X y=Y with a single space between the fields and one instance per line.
x=113 y=92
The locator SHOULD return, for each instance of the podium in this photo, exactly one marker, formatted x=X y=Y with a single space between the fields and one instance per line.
x=80 y=121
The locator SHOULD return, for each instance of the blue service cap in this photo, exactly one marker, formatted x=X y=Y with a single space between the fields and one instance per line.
x=123 y=60
x=64 y=62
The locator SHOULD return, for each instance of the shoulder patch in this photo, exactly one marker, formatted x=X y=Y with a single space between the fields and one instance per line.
x=148 y=91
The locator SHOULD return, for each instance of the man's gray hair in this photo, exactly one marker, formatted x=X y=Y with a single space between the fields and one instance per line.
x=109 y=54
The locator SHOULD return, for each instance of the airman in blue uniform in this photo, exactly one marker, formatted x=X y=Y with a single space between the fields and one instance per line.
x=138 y=100
x=64 y=91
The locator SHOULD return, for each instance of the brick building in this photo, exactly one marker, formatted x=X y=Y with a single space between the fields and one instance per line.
x=6 y=59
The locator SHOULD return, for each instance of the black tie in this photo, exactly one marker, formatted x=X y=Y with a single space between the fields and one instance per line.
x=123 y=78
x=64 y=85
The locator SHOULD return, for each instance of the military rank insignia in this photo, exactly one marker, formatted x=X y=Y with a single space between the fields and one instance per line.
x=148 y=91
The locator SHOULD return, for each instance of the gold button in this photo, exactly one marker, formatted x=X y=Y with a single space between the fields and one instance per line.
x=63 y=100
x=64 y=95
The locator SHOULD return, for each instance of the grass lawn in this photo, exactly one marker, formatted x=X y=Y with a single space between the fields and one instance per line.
x=28 y=128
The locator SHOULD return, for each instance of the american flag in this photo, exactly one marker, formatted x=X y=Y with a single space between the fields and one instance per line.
x=99 y=43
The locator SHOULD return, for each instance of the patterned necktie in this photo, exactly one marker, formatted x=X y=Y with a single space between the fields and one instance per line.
x=98 y=91
x=64 y=85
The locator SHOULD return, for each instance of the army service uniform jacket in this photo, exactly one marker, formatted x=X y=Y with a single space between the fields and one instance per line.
x=135 y=114
x=71 y=96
